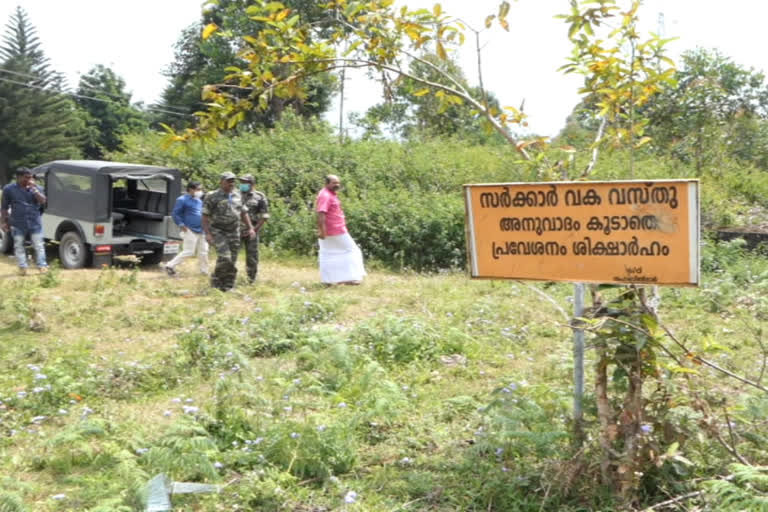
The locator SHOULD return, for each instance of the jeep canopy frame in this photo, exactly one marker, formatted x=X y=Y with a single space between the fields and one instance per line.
x=82 y=189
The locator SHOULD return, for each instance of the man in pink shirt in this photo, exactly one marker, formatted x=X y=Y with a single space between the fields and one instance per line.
x=341 y=261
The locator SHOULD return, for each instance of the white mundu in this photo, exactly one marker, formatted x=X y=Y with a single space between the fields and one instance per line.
x=340 y=260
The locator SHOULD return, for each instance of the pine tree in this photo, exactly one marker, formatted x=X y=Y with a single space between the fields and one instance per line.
x=38 y=123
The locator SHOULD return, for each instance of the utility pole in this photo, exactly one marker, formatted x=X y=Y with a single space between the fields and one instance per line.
x=660 y=31
x=341 y=105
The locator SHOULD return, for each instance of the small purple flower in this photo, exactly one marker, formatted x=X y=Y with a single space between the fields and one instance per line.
x=350 y=497
x=321 y=428
x=342 y=405
x=218 y=465
x=646 y=428
x=295 y=435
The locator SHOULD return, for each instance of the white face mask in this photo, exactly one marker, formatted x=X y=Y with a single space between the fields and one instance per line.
x=198 y=194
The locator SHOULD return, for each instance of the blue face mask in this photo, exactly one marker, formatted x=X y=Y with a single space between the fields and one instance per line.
x=244 y=187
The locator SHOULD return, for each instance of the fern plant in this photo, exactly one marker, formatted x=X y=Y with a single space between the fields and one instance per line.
x=746 y=490
x=183 y=453
x=11 y=503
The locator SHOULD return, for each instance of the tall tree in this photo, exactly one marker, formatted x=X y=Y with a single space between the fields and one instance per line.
x=718 y=108
x=200 y=62
x=409 y=112
x=37 y=121
x=101 y=93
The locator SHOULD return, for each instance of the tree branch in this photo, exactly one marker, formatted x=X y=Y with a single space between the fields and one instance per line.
x=705 y=362
x=494 y=122
x=435 y=68
x=595 y=148
x=552 y=301
x=673 y=501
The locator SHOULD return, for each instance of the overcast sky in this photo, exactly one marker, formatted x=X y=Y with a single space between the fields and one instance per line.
x=135 y=38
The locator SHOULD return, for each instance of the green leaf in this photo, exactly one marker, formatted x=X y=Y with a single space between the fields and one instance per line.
x=352 y=47
x=437 y=10
x=293 y=20
x=672 y=450
x=421 y=92
x=489 y=20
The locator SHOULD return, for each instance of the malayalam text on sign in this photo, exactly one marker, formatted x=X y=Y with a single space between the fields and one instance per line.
x=622 y=232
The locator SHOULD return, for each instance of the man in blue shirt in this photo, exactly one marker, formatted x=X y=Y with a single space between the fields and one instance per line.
x=187 y=214
x=24 y=200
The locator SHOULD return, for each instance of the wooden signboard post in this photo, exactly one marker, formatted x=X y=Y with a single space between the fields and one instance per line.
x=619 y=232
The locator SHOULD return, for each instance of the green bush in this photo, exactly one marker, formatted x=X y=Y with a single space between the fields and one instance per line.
x=398 y=340
x=403 y=200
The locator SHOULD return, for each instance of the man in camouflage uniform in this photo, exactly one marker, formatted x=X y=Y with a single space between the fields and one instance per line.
x=223 y=210
x=258 y=211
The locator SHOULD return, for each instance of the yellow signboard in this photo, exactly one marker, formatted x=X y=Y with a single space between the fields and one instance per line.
x=621 y=232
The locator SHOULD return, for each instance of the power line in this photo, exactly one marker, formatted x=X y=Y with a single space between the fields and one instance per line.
x=94 y=89
x=75 y=95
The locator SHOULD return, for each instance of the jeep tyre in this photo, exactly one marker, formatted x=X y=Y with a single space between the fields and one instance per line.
x=152 y=259
x=73 y=251
x=6 y=242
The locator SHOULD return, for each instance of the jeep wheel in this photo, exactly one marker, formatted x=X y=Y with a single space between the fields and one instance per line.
x=152 y=259
x=73 y=252
x=6 y=242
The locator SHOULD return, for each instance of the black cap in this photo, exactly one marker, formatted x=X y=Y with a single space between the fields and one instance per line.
x=23 y=171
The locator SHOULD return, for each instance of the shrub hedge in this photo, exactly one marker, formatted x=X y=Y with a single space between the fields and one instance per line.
x=403 y=200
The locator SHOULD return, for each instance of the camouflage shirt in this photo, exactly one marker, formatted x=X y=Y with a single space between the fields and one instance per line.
x=223 y=210
x=258 y=208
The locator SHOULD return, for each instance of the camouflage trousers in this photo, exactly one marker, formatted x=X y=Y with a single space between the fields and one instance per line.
x=227 y=244
x=251 y=257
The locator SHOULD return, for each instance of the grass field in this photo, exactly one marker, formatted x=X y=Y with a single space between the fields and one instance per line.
x=410 y=392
